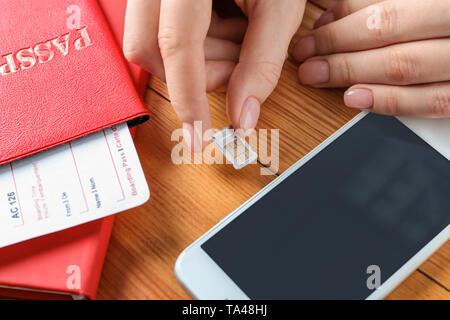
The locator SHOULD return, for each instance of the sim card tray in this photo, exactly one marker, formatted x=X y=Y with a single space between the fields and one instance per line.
x=234 y=147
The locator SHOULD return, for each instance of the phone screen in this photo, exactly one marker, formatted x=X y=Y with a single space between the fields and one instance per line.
x=347 y=219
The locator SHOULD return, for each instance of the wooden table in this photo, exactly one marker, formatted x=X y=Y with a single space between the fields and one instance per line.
x=187 y=200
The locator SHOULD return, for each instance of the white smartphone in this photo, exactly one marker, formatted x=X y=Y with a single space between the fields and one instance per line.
x=351 y=220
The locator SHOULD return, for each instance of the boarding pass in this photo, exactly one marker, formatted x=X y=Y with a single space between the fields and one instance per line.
x=84 y=180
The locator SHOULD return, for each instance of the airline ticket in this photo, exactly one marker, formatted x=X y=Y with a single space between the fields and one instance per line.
x=84 y=180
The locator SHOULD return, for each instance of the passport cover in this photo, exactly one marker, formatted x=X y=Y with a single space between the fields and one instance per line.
x=57 y=83
x=39 y=266
x=46 y=267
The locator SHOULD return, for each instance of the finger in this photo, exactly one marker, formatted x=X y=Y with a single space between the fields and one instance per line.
x=403 y=64
x=272 y=24
x=385 y=23
x=431 y=100
x=218 y=49
x=218 y=73
x=342 y=8
x=140 y=42
x=232 y=29
x=182 y=32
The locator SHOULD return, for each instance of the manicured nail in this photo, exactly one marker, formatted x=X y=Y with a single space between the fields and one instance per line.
x=305 y=48
x=324 y=19
x=314 y=72
x=359 y=98
x=192 y=138
x=249 y=114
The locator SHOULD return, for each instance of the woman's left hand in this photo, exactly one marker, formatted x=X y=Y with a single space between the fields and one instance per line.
x=394 y=54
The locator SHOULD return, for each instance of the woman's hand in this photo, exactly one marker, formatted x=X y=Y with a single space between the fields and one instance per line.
x=184 y=43
x=395 y=54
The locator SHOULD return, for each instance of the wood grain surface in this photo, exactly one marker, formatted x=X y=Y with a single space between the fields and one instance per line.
x=187 y=200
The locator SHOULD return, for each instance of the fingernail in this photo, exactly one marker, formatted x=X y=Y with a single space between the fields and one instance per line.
x=192 y=138
x=314 y=72
x=305 y=48
x=359 y=98
x=324 y=19
x=249 y=114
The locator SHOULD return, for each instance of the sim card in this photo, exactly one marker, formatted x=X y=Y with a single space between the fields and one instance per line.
x=234 y=147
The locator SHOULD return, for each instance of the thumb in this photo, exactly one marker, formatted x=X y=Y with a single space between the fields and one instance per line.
x=272 y=24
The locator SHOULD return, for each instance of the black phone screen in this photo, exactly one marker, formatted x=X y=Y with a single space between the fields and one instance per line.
x=374 y=197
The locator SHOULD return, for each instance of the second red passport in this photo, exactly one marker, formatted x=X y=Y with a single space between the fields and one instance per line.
x=58 y=80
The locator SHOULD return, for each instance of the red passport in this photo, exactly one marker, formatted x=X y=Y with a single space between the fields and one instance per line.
x=65 y=264
x=40 y=268
x=56 y=83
